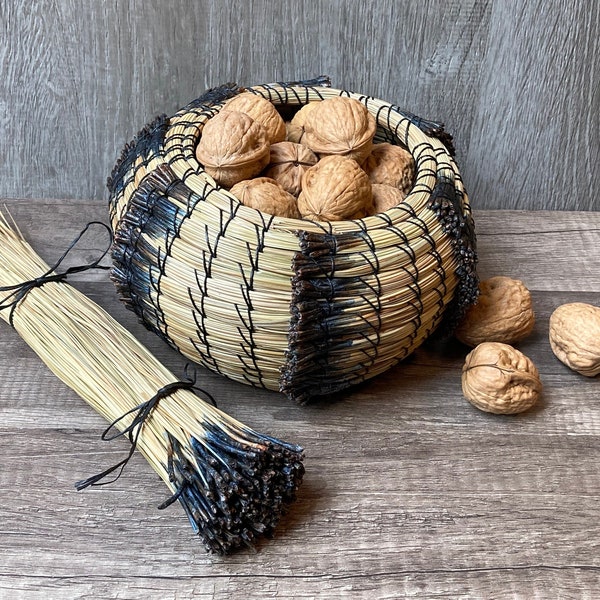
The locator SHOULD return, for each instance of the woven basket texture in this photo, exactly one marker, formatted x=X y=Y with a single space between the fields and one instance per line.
x=305 y=308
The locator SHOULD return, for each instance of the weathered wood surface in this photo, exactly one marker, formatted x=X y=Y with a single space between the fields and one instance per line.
x=409 y=491
x=515 y=82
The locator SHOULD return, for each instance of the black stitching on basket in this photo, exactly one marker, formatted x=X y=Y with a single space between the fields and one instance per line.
x=212 y=96
x=147 y=142
x=154 y=299
x=293 y=87
x=430 y=128
x=202 y=344
x=132 y=280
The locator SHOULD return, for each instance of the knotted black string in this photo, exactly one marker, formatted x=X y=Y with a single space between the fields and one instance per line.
x=20 y=290
x=132 y=431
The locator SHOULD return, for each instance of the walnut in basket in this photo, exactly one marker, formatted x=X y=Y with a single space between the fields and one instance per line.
x=232 y=147
x=341 y=126
x=288 y=163
x=296 y=127
x=262 y=111
x=385 y=197
x=266 y=195
x=335 y=189
x=392 y=165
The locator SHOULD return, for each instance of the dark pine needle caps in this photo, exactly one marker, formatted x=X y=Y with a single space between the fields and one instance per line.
x=234 y=485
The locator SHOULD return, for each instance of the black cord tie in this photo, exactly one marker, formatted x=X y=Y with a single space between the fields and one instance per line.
x=132 y=431
x=20 y=290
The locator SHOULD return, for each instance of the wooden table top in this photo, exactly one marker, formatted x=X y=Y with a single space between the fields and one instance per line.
x=409 y=491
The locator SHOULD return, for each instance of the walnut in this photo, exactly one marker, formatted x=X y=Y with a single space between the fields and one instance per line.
x=288 y=162
x=392 y=165
x=266 y=195
x=336 y=188
x=232 y=147
x=342 y=126
x=503 y=313
x=385 y=197
x=497 y=378
x=295 y=128
x=575 y=337
x=262 y=111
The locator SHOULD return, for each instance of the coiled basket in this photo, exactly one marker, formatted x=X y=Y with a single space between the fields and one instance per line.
x=306 y=308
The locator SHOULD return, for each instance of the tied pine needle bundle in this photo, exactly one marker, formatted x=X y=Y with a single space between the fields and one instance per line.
x=233 y=483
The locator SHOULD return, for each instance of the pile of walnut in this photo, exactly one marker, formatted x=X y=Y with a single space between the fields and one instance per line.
x=498 y=378
x=323 y=165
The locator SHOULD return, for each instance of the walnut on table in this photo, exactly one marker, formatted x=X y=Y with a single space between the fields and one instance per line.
x=575 y=337
x=503 y=313
x=500 y=379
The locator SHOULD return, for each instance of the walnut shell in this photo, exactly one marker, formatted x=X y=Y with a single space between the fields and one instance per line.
x=392 y=165
x=503 y=313
x=385 y=197
x=232 y=147
x=575 y=337
x=266 y=195
x=288 y=163
x=296 y=127
x=262 y=111
x=497 y=378
x=341 y=126
x=336 y=188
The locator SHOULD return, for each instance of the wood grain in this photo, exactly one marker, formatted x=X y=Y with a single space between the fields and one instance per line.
x=516 y=83
x=409 y=491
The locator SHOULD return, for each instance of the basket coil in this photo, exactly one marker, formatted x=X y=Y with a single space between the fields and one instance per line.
x=306 y=308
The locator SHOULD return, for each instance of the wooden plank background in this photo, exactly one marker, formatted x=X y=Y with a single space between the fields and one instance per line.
x=515 y=82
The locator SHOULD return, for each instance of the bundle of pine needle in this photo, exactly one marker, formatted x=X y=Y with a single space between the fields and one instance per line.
x=233 y=483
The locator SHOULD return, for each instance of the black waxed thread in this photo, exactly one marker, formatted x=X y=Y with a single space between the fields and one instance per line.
x=169 y=239
x=199 y=315
x=407 y=249
x=147 y=141
x=375 y=305
x=20 y=290
x=141 y=413
x=249 y=345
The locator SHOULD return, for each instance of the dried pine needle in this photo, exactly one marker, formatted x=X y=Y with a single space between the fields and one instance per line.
x=233 y=483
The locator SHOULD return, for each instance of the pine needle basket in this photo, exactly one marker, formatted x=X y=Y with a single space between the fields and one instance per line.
x=305 y=308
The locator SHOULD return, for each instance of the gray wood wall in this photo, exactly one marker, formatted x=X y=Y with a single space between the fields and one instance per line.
x=515 y=82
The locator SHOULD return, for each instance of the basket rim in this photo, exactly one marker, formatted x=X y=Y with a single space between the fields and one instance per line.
x=432 y=158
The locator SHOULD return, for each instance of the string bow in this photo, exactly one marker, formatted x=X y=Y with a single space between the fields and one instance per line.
x=141 y=413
